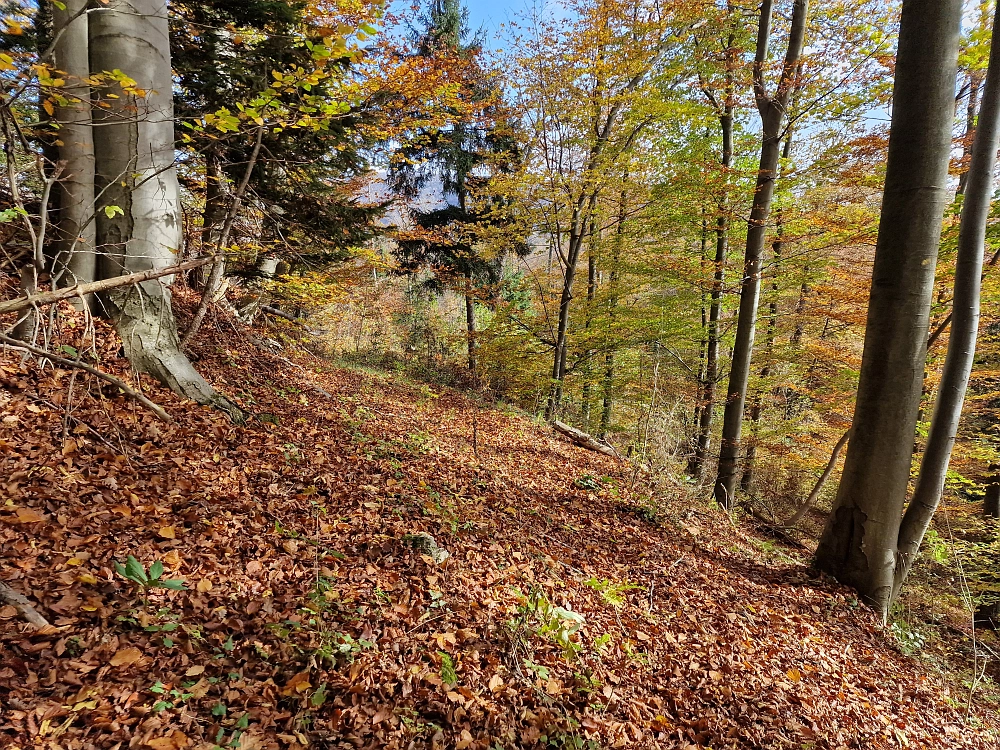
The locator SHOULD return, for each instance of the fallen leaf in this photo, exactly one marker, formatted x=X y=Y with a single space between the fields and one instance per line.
x=297 y=684
x=194 y=671
x=27 y=515
x=167 y=532
x=204 y=585
x=126 y=656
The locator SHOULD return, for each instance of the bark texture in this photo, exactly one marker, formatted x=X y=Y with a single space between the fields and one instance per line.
x=858 y=545
x=138 y=211
x=964 y=325
x=74 y=245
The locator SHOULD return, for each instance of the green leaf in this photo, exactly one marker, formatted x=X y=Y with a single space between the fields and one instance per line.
x=161 y=705
x=319 y=697
x=244 y=722
x=67 y=349
x=168 y=642
x=174 y=584
x=229 y=645
x=112 y=211
x=158 y=688
x=155 y=570
x=219 y=709
x=135 y=570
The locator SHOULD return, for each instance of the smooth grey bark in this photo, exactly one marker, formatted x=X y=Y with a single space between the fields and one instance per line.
x=964 y=326
x=74 y=237
x=772 y=112
x=859 y=541
x=138 y=209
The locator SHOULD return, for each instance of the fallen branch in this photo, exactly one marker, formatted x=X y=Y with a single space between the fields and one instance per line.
x=22 y=605
x=129 y=390
x=814 y=495
x=78 y=290
x=582 y=439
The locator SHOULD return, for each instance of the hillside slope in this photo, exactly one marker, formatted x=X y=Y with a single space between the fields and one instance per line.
x=569 y=612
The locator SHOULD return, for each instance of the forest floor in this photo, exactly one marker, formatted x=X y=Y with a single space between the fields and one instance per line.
x=375 y=563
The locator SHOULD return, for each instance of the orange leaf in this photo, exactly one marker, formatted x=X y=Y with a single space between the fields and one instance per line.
x=126 y=656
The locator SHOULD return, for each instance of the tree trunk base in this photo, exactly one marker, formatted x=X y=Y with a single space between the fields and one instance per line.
x=144 y=320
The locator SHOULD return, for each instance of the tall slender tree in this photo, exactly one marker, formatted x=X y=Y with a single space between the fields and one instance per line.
x=860 y=542
x=773 y=113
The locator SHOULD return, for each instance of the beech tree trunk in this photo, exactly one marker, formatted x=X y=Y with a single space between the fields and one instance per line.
x=74 y=246
x=859 y=542
x=964 y=326
x=772 y=112
x=138 y=211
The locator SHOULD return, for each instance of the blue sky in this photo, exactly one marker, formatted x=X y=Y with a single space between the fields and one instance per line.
x=489 y=14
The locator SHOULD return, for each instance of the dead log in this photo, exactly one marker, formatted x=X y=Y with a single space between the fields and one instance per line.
x=582 y=439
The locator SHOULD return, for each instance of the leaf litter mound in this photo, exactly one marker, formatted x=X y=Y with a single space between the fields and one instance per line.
x=373 y=563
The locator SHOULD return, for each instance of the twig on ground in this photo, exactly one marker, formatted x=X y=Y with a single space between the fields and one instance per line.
x=70 y=363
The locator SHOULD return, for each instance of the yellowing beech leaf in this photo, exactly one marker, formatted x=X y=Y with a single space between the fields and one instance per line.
x=126 y=656
x=194 y=671
x=172 y=559
x=167 y=532
x=298 y=684
x=205 y=584
x=794 y=675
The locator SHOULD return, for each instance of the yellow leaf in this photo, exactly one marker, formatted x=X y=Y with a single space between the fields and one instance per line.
x=794 y=675
x=172 y=559
x=126 y=656
x=297 y=684
x=47 y=106
x=167 y=532
x=85 y=577
x=205 y=584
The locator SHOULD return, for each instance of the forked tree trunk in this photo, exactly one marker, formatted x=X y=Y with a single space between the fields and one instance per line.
x=859 y=542
x=772 y=112
x=964 y=326
x=138 y=211
x=75 y=258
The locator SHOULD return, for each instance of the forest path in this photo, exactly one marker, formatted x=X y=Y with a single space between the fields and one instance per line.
x=570 y=612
